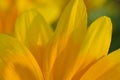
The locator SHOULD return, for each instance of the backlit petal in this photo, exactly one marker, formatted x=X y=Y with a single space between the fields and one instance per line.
x=32 y=30
x=107 y=68
x=70 y=32
x=95 y=45
x=16 y=62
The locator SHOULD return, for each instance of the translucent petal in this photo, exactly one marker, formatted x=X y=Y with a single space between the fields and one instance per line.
x=107 y=68
x=32 y=30
x=69 y=35
x=95 y=45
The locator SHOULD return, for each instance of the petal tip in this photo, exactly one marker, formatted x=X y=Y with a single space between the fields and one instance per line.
x=106 y=18
x=108 y=21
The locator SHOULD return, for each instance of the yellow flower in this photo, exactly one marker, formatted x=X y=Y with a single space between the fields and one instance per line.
x=10 y=9
x=72 y=52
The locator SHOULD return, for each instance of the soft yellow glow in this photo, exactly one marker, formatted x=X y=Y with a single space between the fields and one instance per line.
x=11 y=9
x=72 y=52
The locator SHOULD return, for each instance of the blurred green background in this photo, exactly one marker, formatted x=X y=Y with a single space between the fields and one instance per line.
x=111 y=8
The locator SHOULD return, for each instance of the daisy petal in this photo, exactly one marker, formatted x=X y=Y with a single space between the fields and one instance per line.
x=73 y=22
x=107 y=68
x=16 y=62
x=71 y=26
x=70 y=32
x=95 y=44
x=32 y=30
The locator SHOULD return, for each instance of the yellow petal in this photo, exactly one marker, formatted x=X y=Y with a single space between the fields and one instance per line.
x=32 y=30
x=95 y=45
x=107 y=68
x=69 y=35
x=7 y=20
x=73 y=21
x=16 y=62
x=71 y=24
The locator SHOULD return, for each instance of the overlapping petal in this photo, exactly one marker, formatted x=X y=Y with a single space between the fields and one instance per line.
x=71 y=53
x=107 y=68
x=16 y=62
x=69 y=34
x=34 y=32
x=31 y=28
x=11 y=9
x=95 y=45
x=71 y=23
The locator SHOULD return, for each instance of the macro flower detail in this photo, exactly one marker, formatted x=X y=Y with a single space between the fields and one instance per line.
x=71 y=52
x=11 y=9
